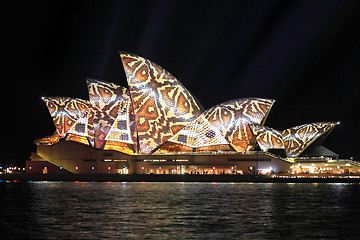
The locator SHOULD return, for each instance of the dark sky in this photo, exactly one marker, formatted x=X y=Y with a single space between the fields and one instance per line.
x=303 y=54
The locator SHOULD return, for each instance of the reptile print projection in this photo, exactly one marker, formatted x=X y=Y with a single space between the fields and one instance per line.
x=120 y=130
x=199 y=133
x=107 y=100
x=80 y=128
x=298 y=138
x=65 y=112
x=232 y=118
x=267 y=138
x=157 y=115
x=122 y=135
x=82 y=131
x=162 y=105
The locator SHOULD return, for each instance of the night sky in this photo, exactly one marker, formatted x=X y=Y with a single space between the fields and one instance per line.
x=303 y=54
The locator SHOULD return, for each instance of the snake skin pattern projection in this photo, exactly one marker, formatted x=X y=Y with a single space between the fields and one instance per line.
x=199 y=133
x=120 y=130
x=162 y=105
x=82 y=131
x=107 y=100
x=158 y=114
x=267 y=138
x=65 y=112
x=232 y=118
x=298 y=138
x=80 y=127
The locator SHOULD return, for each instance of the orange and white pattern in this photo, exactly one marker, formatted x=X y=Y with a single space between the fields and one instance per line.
x=162 y=105
x=232 y=118
x=199 y=133
x=297 y=139
x=65 y=112
x=157 y=113
x=267 y=138
x=107 y=100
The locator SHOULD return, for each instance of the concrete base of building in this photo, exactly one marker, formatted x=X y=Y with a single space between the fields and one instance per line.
x=81 y=159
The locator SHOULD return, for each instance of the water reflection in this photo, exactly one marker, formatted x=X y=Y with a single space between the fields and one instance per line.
x=68 y=210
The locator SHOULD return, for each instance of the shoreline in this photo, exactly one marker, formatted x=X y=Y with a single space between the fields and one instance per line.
x=182 y=178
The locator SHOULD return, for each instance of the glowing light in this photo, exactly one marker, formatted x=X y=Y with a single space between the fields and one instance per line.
x=182 y=171
x=265 y=171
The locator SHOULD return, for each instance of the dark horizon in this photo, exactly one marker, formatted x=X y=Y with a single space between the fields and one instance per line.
x=303 y=54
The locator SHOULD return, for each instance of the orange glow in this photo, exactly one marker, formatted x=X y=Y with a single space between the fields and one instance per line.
x=49 y=140
x=119 y=146
x=77 y=138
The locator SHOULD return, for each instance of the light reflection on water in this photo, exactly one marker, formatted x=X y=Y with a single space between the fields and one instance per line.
x=95 y=210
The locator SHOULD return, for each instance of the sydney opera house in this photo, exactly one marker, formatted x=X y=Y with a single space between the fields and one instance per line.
x=155 y=126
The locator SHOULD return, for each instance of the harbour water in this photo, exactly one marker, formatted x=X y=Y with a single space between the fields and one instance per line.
x=144 y=210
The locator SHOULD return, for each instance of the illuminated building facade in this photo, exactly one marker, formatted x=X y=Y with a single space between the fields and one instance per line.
x=156 y=126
